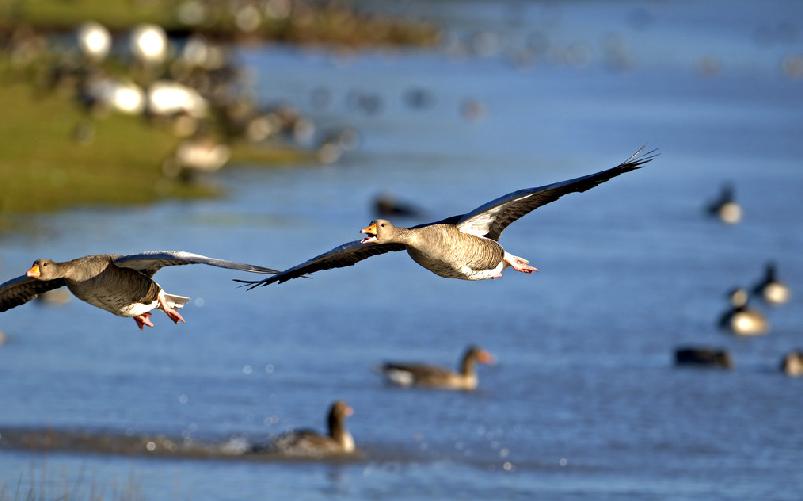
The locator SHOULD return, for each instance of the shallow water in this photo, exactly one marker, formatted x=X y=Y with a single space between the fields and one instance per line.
x=584 y=401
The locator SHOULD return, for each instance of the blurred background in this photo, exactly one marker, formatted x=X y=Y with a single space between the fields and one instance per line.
x=269 y=131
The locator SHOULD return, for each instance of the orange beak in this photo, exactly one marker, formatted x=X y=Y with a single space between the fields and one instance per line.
x=486 y=358
x=33 y=272
x=349 y=411
x=370 y=229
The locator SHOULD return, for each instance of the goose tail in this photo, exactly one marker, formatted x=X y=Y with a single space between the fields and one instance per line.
x=174 y=301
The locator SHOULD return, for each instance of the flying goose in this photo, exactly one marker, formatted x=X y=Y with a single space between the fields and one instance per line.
x=122 y=285
x=464 y=246
x=309 y=443
x=770 y=289
x=740 y=318
x=405 y=374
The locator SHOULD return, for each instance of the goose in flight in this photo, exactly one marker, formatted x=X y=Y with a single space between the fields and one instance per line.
x=465 y=246
x=122 y=285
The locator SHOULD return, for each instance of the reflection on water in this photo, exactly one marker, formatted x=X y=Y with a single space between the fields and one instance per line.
x=585 y=401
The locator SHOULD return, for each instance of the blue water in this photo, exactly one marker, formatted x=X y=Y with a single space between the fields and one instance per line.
x=585 y=402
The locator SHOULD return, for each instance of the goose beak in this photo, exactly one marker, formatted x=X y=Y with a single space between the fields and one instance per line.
x=486 y=358
x=349 y=411
x=371 y=231
x=33 y=272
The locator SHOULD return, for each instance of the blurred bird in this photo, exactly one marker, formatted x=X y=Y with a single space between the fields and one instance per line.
x=740 y=319
x=770 y=289
x=387 y=205
x=792 y=363
x=725 y=207
x=464 y=246
x=418 y=98
x=196 y=156
x=122 y=285
x=309 y=443
x=703 y=357
x=413 y=374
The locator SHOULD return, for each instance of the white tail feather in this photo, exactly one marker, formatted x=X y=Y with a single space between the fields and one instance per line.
x=174 y=301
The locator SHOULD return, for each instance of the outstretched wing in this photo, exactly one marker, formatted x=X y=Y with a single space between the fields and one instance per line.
x=489 y=220
x=339 y=257
x=22 y=289
x=151 y=262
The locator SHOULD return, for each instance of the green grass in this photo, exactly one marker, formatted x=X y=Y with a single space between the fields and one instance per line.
x=42 y=168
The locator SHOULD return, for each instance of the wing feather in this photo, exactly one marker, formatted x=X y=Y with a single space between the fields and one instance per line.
x=339 y=257
x=152 y=261
x=22 y=289
x=490 y=219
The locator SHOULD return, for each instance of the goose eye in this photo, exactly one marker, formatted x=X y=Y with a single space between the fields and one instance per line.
x=382 y=225
x=44 y=264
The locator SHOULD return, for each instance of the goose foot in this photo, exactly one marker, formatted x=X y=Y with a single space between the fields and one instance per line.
x=143 y=320
x=174 y=315
x=519 y=263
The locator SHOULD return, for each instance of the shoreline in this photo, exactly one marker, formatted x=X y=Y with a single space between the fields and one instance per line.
x=304 y=24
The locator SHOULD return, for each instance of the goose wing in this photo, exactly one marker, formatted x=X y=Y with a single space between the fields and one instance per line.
x=151 y=262
x=490 y=219
x=22 y=289
x=416 y=371
x=339 y=257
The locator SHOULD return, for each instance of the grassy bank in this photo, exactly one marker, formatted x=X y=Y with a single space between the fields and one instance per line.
x=42 y=168
x=305 y=23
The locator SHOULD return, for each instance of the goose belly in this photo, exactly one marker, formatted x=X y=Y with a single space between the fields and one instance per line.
x=748 y=323
x=468 y=258
x=776 y=293
x=125 y=299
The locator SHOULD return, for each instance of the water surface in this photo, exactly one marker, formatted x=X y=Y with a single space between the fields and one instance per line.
x=584 y=402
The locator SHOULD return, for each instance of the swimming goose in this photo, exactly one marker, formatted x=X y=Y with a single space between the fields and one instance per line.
x=464 y=246
x=725 y=207
x=122 y=285
x=404 y=374
x=309 y=443
x=740 y=318
x=792 y=363
x=770 y=289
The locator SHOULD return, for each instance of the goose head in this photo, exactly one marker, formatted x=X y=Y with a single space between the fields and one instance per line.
x=474 y=354
x=380 y=231
x=738 y=297
x=44 y=269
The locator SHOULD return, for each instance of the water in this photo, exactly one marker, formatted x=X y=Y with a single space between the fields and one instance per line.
x=584 y=401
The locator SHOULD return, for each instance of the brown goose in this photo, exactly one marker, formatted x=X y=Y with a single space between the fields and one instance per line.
x=309 y=443
x=740 y=318
x=404 y=374
x=464 y=246
x=122 y=285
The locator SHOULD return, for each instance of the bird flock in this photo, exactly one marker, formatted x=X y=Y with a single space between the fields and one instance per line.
x=464 y=246
x=740 y=318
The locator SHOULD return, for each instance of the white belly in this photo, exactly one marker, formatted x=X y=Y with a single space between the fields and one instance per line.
x=348 y=443
x=483 y=274
x=137 y=309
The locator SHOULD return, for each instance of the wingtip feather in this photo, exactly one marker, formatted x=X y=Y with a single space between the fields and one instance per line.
x=639 y=157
